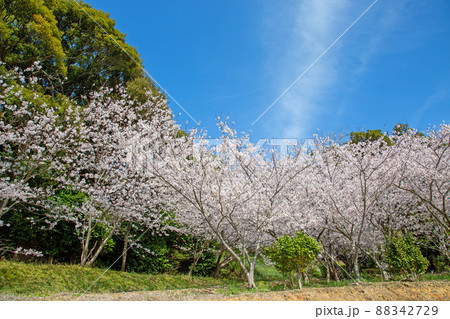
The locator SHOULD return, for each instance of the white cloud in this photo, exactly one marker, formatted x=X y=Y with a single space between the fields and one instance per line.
x=314 y=25
x=307 y=29
x=331 y=90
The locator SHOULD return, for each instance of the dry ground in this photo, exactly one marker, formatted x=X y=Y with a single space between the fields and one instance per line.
x=421 y=291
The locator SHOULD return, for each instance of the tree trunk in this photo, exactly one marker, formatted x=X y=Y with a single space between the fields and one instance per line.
x=335 y=271
x=382 y=267
x=306 y=277
x=250 y=279
x=85 y=248
x=355 y=261
x=249 y=274
x=328 y=272
x=222 y=264
x=356 y=269
x=219 y=262
x=102 y=245
x=196 y=259
x=125 y=248
x=4 y=203
x=299 y=279
x=332 y=270
x=308 y=272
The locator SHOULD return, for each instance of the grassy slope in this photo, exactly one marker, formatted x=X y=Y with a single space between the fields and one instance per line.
x=42 y=280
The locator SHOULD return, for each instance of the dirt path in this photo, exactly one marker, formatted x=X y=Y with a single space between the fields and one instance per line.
x=430 y=290
x=421 y=291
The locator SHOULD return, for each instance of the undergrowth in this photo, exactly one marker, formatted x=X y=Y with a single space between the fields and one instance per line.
x=40 y=280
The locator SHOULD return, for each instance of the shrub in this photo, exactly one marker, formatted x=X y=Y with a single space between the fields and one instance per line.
x=293 y=254
x=404 y=257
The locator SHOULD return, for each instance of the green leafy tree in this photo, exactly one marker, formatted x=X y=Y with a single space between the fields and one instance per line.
x=96 y=52
x=404 y=257
x=369 y=136
x=293 y=254
x=79 y=48
x=140 y=87
x=401 y=129
x=29 y=32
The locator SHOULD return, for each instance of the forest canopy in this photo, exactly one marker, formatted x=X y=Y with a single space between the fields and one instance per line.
x=78 y=47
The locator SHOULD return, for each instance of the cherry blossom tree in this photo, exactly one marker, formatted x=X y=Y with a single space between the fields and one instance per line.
x=352 y=180
x=130 y=167
x=33 y=143
x=424 y=173
x=232 y=192
x=50 y=149
x=117 y=192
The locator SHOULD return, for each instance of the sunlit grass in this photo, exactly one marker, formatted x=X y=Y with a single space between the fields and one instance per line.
x=42 y=280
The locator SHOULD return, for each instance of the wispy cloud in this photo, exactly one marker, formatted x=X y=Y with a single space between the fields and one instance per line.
x=312 y=25
x=389 y=18
x=439 y=98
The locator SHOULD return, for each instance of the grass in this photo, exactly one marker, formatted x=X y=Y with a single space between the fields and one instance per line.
x=43 y=280
x=267 y=278
x=434 y=276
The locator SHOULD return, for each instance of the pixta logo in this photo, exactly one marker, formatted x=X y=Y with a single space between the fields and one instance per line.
x=282 y=146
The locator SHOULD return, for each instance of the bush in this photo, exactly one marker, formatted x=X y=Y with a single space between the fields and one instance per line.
x=293 y=254
x=442 y=263
x=31 y=231
x=404 y=257
x=206 y=264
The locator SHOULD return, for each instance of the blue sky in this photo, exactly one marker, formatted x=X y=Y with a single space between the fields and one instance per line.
x=235 y=57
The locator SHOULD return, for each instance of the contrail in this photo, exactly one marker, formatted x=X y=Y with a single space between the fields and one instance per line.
x=315 y=61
